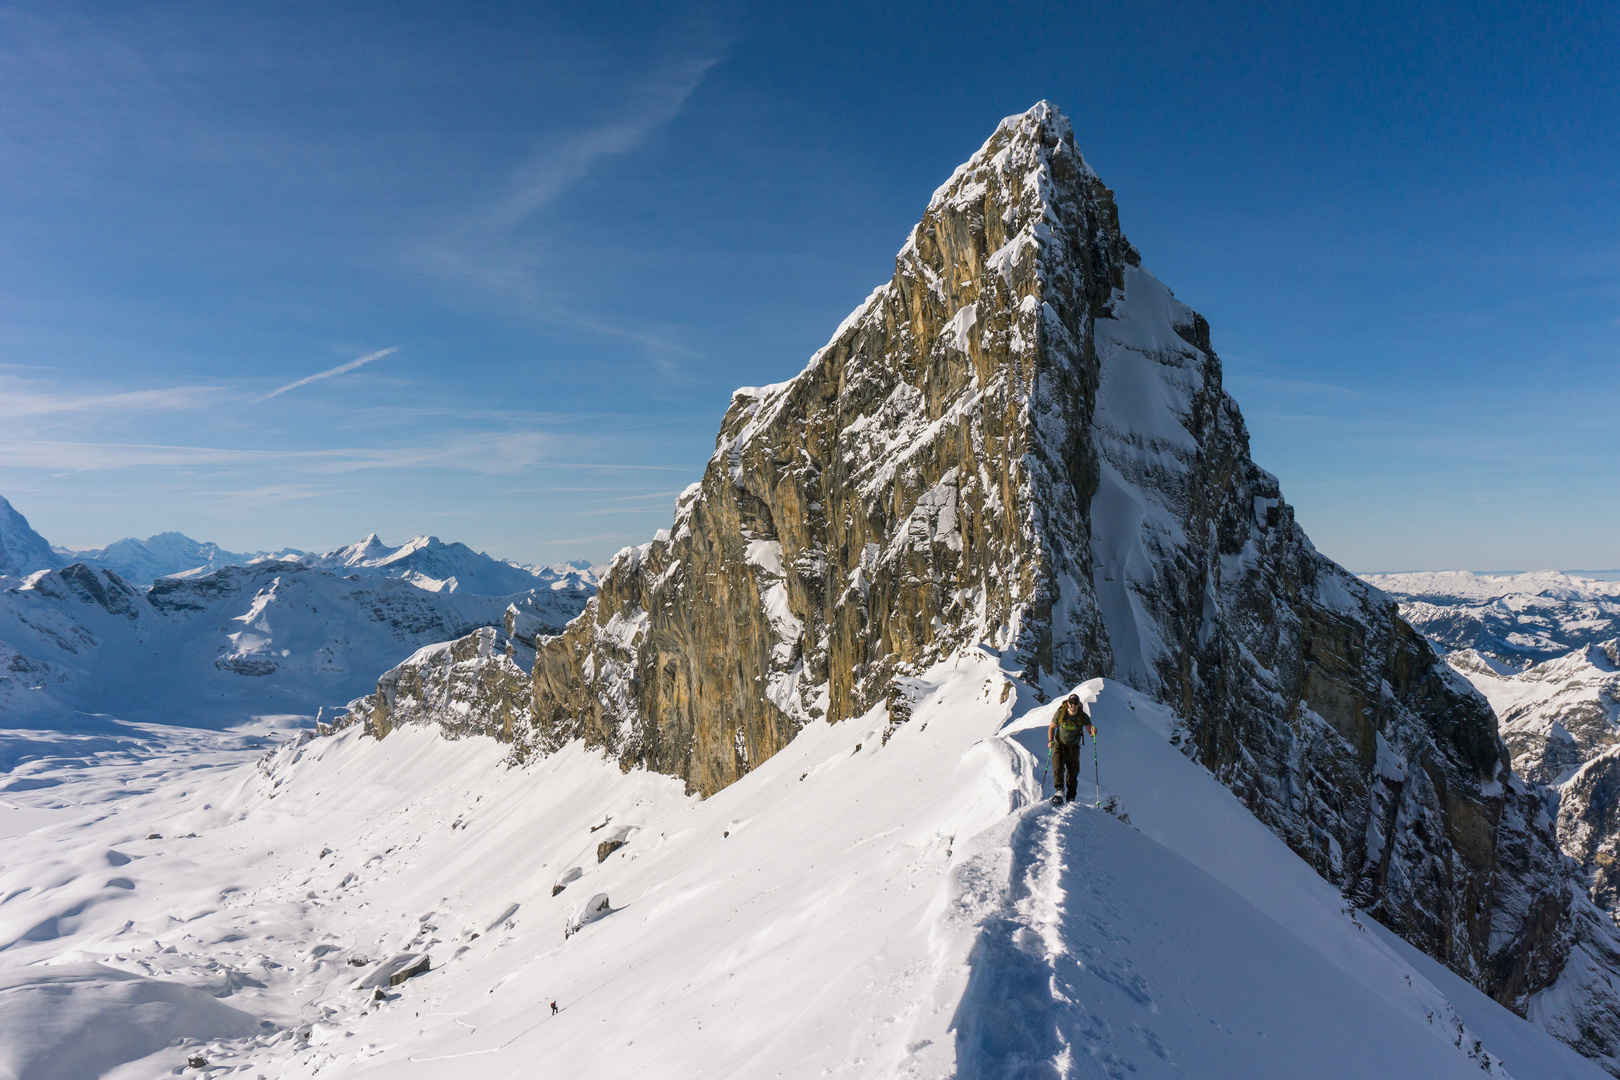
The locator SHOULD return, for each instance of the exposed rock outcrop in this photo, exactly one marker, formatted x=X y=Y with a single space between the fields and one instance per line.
x=475 y=685
x=1022 y=440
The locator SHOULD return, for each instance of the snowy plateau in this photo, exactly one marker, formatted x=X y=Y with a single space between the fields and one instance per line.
x=774 y=802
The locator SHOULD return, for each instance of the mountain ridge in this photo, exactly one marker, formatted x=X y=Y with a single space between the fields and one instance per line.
x=425 y=561
x=1022 y=442
x=164 y=554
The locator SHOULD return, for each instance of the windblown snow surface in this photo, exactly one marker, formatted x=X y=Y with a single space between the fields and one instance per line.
x=851 y=908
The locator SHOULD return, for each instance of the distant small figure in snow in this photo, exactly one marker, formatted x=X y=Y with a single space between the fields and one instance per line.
x=1065 y=736
x=553 y=1008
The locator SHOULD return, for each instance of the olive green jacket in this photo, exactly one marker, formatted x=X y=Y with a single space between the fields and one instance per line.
x=1080 y=724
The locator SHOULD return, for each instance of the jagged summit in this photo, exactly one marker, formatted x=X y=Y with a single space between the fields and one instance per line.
x=921 y=486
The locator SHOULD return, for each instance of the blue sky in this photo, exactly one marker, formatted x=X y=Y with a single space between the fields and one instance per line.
x=579 y=231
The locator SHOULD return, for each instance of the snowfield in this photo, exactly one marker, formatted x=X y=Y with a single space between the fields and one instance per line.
x=851 y=908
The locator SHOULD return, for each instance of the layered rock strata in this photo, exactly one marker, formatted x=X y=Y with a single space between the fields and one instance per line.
x=1022 y=441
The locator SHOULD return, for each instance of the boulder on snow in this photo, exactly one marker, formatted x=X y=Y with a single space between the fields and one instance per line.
x=394 y=971
x=606 y=848
x=569 y=876
x=583 y=915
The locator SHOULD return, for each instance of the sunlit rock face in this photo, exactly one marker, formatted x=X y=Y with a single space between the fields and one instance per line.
x=1021 y=442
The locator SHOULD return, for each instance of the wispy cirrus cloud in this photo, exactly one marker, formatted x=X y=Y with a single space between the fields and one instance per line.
x=492 y=245
x=491 y=453
x=341 y=369
x=565 y=159
x=22 y=399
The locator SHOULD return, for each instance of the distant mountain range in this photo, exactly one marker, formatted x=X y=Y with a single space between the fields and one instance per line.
x=176 y=631
x=430 y=564
x=1544 y=650
x=141 y=562
x=424 y=561
x=1515 y=619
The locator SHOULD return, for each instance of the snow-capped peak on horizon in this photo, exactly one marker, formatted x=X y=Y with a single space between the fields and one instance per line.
x=429 y=563
x=22 y=550
x=1442 y=586
x=423 y=560
x=165 y=554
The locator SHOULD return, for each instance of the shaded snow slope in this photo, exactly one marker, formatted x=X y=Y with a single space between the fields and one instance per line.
x=22 y=550
x=849 y=908
x=218 y=649
x=1516 y=619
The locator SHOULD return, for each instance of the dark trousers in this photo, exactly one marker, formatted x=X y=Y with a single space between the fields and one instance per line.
x=1065 y=768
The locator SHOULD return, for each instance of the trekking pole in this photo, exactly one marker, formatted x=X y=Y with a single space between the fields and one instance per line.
x=1096 y=770
x=1046 y=768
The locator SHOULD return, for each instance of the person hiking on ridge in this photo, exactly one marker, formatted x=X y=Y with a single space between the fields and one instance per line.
x=1065 y=736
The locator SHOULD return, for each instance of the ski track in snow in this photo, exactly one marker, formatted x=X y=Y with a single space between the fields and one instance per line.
x=849 y=909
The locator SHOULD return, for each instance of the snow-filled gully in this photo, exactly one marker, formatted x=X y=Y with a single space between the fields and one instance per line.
x=851 y=908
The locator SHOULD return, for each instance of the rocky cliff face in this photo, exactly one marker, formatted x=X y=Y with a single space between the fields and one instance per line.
x=1022 y=441
x=1561 y=721
x=474 y=685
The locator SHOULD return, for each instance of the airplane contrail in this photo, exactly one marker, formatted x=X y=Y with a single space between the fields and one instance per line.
x=329 y=372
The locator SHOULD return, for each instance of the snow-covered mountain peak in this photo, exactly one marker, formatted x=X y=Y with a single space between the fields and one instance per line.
x=1030 y=136
x=167 y=554
x=22 y=550
x=369 y=551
